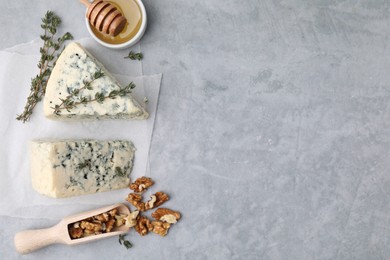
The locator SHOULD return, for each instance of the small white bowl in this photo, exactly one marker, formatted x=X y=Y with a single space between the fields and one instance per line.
x=130 y=42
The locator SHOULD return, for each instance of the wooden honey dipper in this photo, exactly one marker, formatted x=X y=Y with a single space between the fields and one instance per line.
x=105 y=17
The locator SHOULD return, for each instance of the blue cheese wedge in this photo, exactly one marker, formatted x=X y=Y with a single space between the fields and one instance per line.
x=74 y=69
x=65 y=168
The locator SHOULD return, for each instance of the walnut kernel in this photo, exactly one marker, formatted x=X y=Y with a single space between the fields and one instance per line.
x=110 y=225
x=120 y=220
x=156 y=200
x=91 y=226
x=161 y=198
x=113 y=212
x=131 y=219
x=160 y=228
x=135 y=200
x=75 y=232
x=141 y=184
x=102 y=217
x=166 y=215
x=150 y=203
x=143 y=225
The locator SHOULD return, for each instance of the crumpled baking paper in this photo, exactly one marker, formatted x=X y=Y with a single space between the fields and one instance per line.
x=18 y=66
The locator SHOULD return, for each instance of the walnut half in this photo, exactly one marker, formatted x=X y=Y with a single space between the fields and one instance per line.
x=160 y=228
x=166 y=215
x=75 y=232
x=110 y=225
x=91 y=226
x=141 y=184
x=156 y=200
x=131 y=219
x=143 y=225
x=135 y=200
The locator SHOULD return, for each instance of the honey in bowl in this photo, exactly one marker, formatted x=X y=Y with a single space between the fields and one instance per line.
x=132 y=12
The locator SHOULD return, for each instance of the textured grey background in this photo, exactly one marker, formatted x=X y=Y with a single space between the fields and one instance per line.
x=272 y=132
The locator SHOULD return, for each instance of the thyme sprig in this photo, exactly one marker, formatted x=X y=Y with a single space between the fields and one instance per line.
x=75 y=97
x=69 y=102
x=134 y=56
x=126 y=243
x=50 y=51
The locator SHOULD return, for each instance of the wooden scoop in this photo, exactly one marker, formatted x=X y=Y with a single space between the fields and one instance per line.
x=30 y=240
x=105 y=17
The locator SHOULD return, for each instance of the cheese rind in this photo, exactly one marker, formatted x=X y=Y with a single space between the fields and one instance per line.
x=65 y=168
x=74 y=67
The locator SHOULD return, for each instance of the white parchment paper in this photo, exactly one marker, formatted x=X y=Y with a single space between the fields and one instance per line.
x=18 y=66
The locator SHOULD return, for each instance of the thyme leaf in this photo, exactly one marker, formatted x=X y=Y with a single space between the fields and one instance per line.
x=126 y=243
x=134 y=56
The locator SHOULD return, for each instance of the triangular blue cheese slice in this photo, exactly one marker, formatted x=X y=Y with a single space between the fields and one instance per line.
x=72 y=87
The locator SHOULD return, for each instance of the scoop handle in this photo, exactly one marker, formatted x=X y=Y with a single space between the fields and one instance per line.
x=28 y=241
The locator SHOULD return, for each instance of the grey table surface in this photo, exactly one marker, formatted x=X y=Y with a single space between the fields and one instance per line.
x=272 y=132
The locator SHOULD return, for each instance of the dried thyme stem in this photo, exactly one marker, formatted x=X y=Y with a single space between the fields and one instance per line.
x=68 y=103
x=48 y=58
x=75 y=98
x=134 y=56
